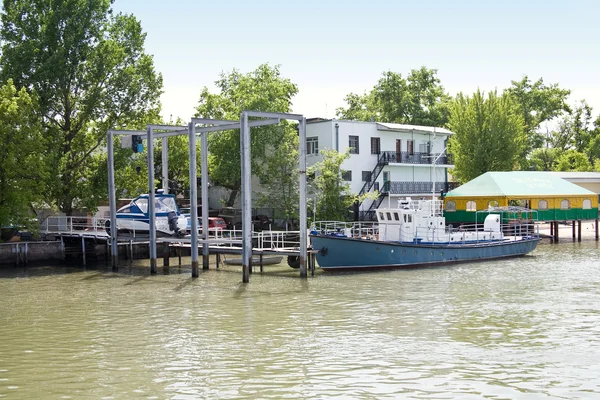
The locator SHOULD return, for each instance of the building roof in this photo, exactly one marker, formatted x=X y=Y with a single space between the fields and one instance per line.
x=518 y=184
x=579 y=176
x=402 y=127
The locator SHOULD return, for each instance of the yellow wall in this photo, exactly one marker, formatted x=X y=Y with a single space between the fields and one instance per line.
x=553 y=202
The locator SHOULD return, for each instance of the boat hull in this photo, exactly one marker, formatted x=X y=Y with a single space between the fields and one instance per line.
x=342 y=253
x=266 y=260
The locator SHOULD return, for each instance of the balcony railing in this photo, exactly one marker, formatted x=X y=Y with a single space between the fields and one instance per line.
x=404 y=157
x=393 y=187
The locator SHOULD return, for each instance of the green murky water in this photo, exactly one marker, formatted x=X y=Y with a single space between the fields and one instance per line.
x=524 y=328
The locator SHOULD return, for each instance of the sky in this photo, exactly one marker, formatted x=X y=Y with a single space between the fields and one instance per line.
x=333 y=48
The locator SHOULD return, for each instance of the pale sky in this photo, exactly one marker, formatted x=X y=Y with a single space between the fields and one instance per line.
x=332 y=48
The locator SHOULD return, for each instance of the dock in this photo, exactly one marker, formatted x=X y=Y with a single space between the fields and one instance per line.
x=81 y=238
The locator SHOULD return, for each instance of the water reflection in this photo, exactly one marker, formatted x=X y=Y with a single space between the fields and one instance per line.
x=522 y=328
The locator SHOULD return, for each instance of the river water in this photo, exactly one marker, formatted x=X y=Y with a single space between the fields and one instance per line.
x=524 y=328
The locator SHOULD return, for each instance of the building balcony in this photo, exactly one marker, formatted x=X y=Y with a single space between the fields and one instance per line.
x=408 y=188
x=404 y=157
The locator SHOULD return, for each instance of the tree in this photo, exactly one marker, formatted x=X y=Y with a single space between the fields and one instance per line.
x=90 y=73
x=263 y=89
x=543 y=159
x=419 y=100
x=574 y=130
x=537 y=103
x=488 y=134
x=280 y=183
x=20 y=167
x=573 y=160
x=332 y=192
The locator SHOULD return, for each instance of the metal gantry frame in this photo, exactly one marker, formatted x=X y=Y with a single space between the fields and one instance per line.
x=191 y=130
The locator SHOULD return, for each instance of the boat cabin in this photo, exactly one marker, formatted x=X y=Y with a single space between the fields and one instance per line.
x=423 y=221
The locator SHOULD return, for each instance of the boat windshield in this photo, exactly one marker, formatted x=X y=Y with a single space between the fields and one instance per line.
x=165 y=204
x=161 y=204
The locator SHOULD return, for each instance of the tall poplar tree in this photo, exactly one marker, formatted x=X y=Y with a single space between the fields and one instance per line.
x=90 y=73
x=488 y=134
x=20 y=166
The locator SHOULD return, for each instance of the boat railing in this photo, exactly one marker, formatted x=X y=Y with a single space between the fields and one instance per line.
x=356 y=229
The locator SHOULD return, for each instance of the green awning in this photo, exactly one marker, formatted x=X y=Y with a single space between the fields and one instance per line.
x=519 y=183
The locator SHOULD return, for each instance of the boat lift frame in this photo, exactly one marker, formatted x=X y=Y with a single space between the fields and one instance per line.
x=191 y=130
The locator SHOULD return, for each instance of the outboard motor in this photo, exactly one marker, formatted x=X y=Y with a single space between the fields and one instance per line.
x=172 y=218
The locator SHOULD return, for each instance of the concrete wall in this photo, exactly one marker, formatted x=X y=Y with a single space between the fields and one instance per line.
x=36 y=251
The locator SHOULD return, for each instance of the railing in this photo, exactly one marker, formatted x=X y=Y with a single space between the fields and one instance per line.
x=404 y=157
x=358 y=229
x=395 y=187
x=71 y=224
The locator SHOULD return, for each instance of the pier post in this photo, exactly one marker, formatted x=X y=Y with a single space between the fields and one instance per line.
x=204 y=197
x=193 y=199
x=165 y=254
x=555 y=231
x=218 y=259
x=302 y=199
x=151 y=200
x=596 y=227
x=83 y=250
x=112 y=202
x=579 y=231
x=246 y=198
x=573 y=229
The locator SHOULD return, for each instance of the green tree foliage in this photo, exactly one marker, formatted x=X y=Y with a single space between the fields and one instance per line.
x=419 y=100
x=90 y=73
x=20 y=167
x=332 y=192
x=573 y=160
x=488 y=134
x=280 y=181
x=543 y=159
x=574 y=130
x=537 y=103
x=263 y=89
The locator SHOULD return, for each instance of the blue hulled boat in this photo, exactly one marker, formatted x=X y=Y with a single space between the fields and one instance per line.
x=415 y=234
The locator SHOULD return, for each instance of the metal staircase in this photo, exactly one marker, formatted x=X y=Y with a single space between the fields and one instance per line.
x=382 y=161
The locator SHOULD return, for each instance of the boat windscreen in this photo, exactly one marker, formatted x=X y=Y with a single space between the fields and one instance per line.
x=142 y=204
x=165 y=204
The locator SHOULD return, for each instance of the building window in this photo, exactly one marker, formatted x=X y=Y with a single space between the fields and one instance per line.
x=565 y=205
x=493 y=204
x=366 y=176
x=353 y=144
x=410 y=147
x=542 y=205
x=312 y=145
x=375 y=145
x=450 y=205
x=587 y=204
x=471 y=205
x=347 y=176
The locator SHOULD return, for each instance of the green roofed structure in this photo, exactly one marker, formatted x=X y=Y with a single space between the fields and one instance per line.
x=554 y=198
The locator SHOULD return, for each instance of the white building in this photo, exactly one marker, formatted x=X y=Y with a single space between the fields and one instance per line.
x=397 y=160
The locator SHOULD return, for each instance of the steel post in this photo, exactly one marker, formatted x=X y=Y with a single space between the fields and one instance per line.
x=112 y=201
x=246 y=198
x=151 y=200
x=302 y=189
x=165 y=164
x=193 y=199
x=204 y=155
